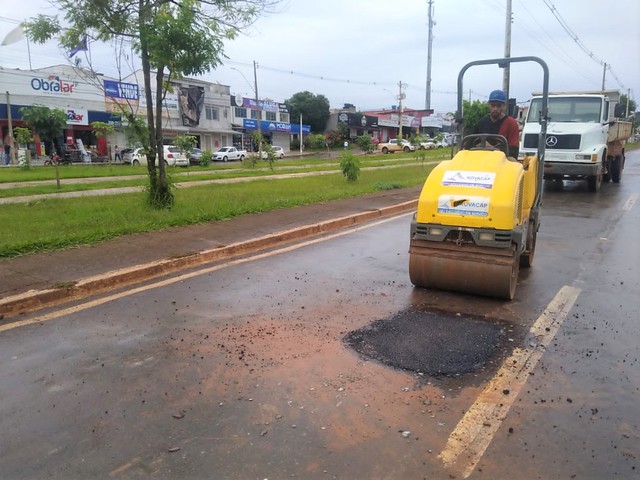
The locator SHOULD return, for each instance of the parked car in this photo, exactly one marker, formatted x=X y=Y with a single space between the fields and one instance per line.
x=229 y=153
x=173 y=156
x=278 y=152
x=194 y=158
x=428 y=145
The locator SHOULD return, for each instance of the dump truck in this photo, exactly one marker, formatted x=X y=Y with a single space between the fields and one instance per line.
x=585 y=138
x=478 y=214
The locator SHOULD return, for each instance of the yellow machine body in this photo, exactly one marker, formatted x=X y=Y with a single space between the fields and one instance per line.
x=474 y=222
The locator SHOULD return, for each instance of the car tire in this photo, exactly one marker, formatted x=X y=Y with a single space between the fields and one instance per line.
x=241 y=158
x=225 y=159
x=135 y=163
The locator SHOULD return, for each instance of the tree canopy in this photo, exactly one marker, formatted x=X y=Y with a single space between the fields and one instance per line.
x=46 y=122
x=313 y=108
x=173 y=38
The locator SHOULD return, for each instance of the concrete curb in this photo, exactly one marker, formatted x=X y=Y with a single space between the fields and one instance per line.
x=34 y=300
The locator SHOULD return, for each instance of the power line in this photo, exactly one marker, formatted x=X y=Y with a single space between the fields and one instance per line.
x=578 y=42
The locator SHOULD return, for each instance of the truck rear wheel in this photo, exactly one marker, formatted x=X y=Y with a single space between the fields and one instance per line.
x=616 y=169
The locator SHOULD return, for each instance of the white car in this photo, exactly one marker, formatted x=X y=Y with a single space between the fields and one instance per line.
x=278 y=152
x=173 y=156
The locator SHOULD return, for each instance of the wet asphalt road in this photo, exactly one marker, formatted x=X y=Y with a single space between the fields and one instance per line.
x=250 y=370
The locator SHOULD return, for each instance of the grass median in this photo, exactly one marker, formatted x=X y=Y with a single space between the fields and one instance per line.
x=53 y=224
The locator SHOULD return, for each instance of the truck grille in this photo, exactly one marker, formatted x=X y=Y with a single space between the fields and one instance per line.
x=564 y=142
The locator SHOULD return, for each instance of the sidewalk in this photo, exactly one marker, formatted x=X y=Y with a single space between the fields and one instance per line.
x=33 y=281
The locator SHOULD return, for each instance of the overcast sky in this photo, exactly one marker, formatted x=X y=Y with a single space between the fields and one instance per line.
x=357 y=51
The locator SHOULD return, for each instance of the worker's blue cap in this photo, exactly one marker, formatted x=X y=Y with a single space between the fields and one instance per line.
x=497 y=96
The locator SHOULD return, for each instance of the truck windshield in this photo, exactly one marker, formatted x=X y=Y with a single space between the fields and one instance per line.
x=568 y=109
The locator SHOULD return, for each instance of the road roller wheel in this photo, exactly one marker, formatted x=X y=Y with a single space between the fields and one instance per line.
x=487 y=271
x=526 y=259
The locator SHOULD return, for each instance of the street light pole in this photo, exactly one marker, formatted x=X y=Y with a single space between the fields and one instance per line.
x=400 y=98
x=255 y=80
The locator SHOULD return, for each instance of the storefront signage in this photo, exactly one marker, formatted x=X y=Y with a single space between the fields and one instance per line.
x=52 y=84
x=265 y=105
x=251 y=124
x=77 y=116
x=355 y=120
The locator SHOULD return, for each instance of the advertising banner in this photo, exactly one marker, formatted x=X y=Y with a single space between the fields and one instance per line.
x=126 y=94
x=190 y=101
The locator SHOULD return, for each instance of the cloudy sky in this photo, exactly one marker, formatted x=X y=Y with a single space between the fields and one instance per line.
x=358 y=51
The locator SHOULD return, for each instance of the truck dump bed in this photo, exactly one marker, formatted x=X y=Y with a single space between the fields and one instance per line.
x=619 y=131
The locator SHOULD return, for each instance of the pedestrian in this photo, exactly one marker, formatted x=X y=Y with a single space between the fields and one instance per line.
x=499 y=123
x=117 y=156
x=7 y=152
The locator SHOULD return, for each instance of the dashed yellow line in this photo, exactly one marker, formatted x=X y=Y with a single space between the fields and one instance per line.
x=473 y=434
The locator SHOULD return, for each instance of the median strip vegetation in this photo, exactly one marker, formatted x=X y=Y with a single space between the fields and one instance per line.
x=60 y=223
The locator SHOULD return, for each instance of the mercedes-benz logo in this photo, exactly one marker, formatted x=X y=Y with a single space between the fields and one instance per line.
x=552 y=141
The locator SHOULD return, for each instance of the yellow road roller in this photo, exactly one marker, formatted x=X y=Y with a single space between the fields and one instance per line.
x=479 y=213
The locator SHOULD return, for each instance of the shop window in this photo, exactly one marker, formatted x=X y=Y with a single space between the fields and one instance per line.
x=240 y=112
x=271 y=116
x=226 y=113
x=284 y=117
x=255 y=114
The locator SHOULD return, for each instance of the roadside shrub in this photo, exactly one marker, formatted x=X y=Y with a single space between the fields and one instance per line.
x=334 y=138
x=316 y=141
x=206 y=158
x=365 y=143
x=350 y=166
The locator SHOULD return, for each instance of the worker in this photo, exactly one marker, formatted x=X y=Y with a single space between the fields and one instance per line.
x=499 y=123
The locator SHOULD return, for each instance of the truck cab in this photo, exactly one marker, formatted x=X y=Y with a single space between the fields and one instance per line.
x=583 y=141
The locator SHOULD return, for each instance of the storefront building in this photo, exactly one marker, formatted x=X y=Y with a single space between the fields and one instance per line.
x=270 y=118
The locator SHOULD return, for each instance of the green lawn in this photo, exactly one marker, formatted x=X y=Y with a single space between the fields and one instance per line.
x=50 y=224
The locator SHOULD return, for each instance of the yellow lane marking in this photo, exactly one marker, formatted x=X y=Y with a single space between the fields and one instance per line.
x=473 y=434
x=186 y=276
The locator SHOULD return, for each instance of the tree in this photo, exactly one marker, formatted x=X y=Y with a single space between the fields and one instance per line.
x=473 y=112
x=46 y=122
x=313 y=108
x=173 y=38
x=623 y=103
x=186 y=143
x=23 y=136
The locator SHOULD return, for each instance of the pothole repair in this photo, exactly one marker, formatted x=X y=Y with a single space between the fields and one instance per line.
x=431 y=343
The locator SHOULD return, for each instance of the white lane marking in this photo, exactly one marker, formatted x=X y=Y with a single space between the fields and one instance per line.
x=630 y=202
x=473 y=434
x=187 y=276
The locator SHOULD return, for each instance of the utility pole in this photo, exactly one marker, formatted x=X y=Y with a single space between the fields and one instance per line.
x=400 y=98
x=427 y=99
x=507 y=50
x=604 y=73
x=255 y=80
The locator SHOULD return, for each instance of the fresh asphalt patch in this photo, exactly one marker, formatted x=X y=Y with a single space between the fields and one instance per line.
x=431 y=343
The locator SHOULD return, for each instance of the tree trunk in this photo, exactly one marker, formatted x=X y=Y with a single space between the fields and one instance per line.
x=160 y=195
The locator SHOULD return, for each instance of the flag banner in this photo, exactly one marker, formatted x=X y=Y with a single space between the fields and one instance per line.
x=13 y=36
x=82 y=47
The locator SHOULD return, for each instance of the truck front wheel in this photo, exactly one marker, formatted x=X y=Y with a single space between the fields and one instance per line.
x=609 y=165
x=594 y=182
